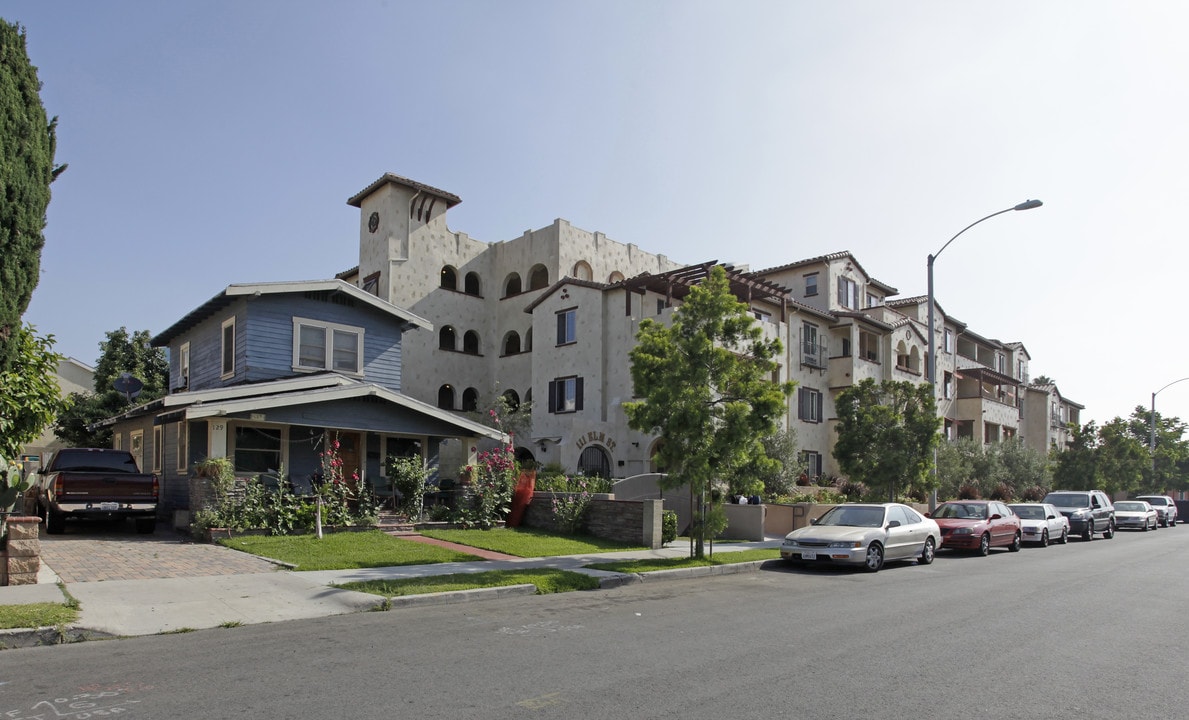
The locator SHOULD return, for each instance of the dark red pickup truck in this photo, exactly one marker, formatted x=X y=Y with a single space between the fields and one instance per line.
x=96 y=483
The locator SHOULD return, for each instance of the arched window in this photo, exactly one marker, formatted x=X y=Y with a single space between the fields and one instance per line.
x=470 y=400
x=528 y=340
x=446 y=339
x=470 y=342
x=914 y=359
x=446 y=397
x=902 y=359
x=652 y=451
x=471 y=284
x=594 y=461
x=512 y=285
x=538 y=278
x=512 y=400
x=582 y=270
x=528 y=396
x=615 y=277
x=525 y=457
x=511 y=344
x=449 y=278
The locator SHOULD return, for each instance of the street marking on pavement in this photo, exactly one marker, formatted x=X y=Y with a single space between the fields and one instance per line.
x=548 y=626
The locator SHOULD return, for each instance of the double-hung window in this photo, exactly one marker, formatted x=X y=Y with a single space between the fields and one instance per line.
x=227 y=351
x=567 y=326
x=319 y=345
x=848 y=293
x=811 y=285
x=812 y=461
x=809 y=405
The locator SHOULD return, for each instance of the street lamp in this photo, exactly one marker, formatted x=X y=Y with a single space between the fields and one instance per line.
x=1152 y=437
x=1026 y=205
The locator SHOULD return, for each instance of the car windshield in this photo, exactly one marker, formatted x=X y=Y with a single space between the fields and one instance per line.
x=963 y=511
x=1156 y=500
x=853 y=516
x=1029 y=512
x=1130 y=506
x=1069 y=499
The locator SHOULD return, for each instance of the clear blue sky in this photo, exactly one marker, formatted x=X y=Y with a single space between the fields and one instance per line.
x=216 y=142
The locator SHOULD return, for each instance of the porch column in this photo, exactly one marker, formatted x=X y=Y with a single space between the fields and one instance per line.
x=216 y=440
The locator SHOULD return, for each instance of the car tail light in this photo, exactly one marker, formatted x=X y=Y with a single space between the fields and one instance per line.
x=57 y=486
x=156 y=488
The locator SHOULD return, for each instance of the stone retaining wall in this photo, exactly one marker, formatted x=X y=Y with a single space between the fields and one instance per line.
x=20 y=561
x=637 y=522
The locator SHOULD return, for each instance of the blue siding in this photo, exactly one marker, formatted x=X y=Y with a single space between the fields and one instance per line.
x=264 y=341
x=368 y=414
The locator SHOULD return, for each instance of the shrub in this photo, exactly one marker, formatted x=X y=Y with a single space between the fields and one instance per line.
x=668 y=526
x=569 y=509
x=853 y=490
x=1033 y=493
x=968 y=491
x=1003 y=492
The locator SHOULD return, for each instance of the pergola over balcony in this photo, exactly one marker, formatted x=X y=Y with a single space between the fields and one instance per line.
x=979 y=381
x=676 y=284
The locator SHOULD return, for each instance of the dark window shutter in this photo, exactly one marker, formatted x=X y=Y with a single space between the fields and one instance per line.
x=561 y=328
x=801 y=404
x=578 y=394
x=552 y=396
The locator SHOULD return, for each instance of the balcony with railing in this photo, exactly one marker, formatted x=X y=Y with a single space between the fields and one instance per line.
x=814 y=354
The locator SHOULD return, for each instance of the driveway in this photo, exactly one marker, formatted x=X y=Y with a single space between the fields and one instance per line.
x=97 y=551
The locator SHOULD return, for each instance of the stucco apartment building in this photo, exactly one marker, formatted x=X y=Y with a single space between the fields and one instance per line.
x=549 y=318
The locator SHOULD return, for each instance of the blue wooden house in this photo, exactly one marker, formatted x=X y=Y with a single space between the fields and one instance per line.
x=269 y=374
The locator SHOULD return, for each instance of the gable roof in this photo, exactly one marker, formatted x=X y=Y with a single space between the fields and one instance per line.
x=829 y=257
x=233 y=292
x=356 y=200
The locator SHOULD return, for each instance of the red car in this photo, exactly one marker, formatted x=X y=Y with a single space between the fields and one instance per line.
x=977 y=525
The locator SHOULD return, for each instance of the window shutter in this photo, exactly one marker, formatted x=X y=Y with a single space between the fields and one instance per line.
x=841 y=292
x=552 y=396
x=578 y=394
x=801 y=403
x=561 y=328
x=817 y=410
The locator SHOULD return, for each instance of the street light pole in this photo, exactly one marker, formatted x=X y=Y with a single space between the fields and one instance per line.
x=1152 y=437
x=1026 y=205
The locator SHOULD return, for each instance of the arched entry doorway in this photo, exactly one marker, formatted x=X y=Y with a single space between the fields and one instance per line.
x=594 y=461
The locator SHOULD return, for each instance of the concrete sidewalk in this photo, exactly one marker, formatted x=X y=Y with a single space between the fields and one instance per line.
x=148 y=607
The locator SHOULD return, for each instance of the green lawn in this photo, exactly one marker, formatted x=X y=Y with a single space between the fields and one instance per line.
x=36 y=615
x=344 y=551
x=529 y=543
x=547 y=580
x=724 y=558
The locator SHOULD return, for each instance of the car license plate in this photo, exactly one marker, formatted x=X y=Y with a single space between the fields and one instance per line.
x=808 y=555
x=109 y=506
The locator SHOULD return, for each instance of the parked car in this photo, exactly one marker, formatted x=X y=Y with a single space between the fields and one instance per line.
x=1166 y=508
x=96 y=483
x=1089 y=511
x=978 y=525
x=864 y=534
x=1041 y=523
x=1136 y=514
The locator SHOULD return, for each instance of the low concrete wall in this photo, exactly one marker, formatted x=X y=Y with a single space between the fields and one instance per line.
x=744 y=522
x=21 y=559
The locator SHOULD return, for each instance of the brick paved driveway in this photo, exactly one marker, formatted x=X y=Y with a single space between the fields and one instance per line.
x=94 y=551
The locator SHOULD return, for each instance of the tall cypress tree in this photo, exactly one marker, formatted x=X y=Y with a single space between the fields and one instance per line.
x=27 y=143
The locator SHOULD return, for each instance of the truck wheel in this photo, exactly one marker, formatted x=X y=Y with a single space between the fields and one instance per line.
x=1109 y=532
x=55 y=522
x=146 y=527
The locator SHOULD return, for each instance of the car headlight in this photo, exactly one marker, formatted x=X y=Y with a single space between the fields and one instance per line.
x=849 y=544
x=1078 y=514
x=964 y=531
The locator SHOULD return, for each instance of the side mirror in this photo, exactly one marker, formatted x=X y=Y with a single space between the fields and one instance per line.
x=928 y=514
x=813 y=521
x=893 y=523
x=1051 y=517
x=996 y=516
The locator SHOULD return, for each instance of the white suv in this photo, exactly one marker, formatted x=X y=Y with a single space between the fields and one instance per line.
x=1166 y=508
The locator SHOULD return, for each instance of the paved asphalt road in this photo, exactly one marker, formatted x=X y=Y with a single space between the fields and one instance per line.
x=1086 y=630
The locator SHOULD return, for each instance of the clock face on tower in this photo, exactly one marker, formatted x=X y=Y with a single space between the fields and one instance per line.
x=373 y=222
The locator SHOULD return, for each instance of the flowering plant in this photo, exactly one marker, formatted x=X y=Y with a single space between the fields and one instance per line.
x=493 y=480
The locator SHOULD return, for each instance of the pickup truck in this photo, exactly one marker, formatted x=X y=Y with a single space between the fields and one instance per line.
x=96 y=483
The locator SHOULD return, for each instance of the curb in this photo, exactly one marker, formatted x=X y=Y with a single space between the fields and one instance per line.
x=26 y=638
x=458 y=596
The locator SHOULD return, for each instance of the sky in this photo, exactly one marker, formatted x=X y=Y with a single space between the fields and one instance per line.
x=217 y=142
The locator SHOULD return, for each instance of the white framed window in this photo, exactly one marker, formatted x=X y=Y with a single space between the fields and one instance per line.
x=868 y=346
x=949 y=341
x=811 y=285
x=257 y=449
x=136 y=447
x=809 y=405
x=319 y=345
x=848 y=293
x=183 y=446
x=812 y=460
x=227 y=350
x=184 y=365
x=567 y=326
x=948 y=386
x=874 y=300
x=117 y=441
x=158 y=449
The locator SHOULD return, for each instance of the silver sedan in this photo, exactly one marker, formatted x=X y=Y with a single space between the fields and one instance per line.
x=1042 y=523
x=864 y=534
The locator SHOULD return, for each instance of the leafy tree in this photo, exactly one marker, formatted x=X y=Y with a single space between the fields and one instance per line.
x=886 y=435
x=1042 y=380
x=708 y=394
x=1170 y=471
x=961 y=462
x=119 y=353
x=778 y=478
x=29 y=394
x=1076 y=467
x=1122 y=460
x=1014 y=464
x=27 y=143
